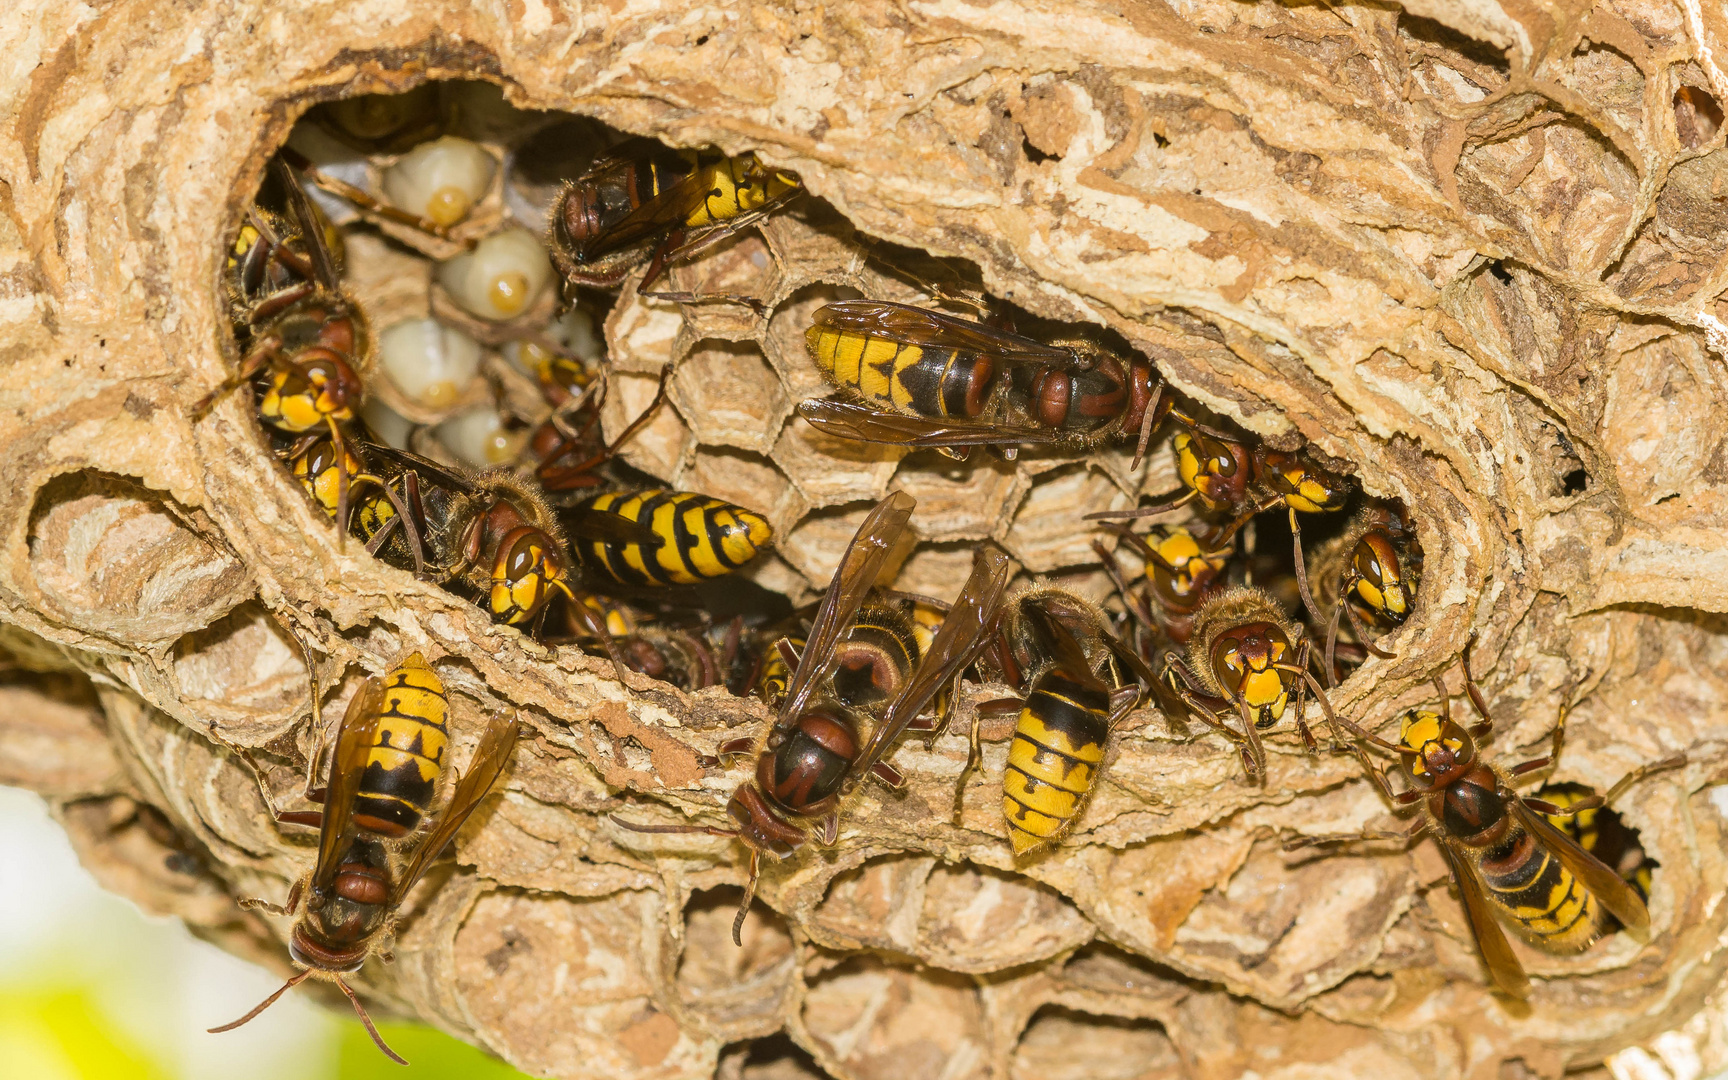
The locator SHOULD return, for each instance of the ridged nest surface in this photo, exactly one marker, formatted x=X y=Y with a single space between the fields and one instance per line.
x=1472 y=258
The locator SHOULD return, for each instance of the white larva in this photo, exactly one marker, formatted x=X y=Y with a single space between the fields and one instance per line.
x=440 y=180
x=391 y=427
x=479 y=438
x=501 y=277
x=428 y=361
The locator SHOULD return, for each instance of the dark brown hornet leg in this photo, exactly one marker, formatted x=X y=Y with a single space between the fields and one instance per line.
x=750 y=882
x=558 y=478
x=1247 y=742
x=262 y=352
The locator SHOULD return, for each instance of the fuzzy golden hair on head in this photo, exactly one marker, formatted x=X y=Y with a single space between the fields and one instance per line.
x=1236 y=606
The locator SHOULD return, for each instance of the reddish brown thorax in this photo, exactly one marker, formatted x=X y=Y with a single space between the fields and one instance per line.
x=803 y=771
x=337 y=332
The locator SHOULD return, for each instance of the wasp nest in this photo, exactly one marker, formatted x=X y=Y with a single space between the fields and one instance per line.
x=1470 y=255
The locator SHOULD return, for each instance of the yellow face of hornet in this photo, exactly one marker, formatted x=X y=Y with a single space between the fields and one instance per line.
x=1378 y=582
x=318 y=472
x=304 y=398
x=1432 y=749
x=1306 y=487
x=528 y=569
x=1245 y=662
x=1211 y=468
x=1182 y=552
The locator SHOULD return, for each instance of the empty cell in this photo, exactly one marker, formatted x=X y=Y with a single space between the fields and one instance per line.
x=1049 y=531
x=962 y=501
x=1066 y=1044
x=830 y=471
x=659 y=446
x=110 y=556
x=739 y=990
x=817 y=543
x=881 y=1021
x=729 y=395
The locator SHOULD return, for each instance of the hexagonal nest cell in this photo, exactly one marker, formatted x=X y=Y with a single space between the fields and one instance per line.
x=1450 y=281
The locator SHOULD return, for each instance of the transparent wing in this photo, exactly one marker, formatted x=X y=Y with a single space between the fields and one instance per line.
x=909 y=325
x=1597 y=876
x=1503 y=966
x=490 y=757
x=354 y=741
x=964 y=631
x=300 y=208
x=857 y=572
x=848 y=420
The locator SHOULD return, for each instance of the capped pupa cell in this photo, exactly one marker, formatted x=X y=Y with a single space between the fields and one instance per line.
x=1049 y=530
x=430 y=365
x=502 y=278
x=737 y=991
x=730 y=396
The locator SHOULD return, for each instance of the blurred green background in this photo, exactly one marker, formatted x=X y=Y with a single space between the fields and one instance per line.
x=93 y=989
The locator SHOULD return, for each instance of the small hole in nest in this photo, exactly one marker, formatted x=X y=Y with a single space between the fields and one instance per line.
x=1697 y=116
x=1035 y=155
x=776 y=1057
x=1575 y=481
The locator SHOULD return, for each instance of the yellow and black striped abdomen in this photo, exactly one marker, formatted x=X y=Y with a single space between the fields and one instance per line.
x=939 y=384
x=1054 y=757
x=402 y=770
x=1545 y=900
x=736 y=186
x=694 y=538
x=776 y=676
x=876 y=655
